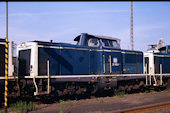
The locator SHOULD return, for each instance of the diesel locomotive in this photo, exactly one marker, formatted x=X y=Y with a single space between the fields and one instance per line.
x=94 y=64
x=92 y=55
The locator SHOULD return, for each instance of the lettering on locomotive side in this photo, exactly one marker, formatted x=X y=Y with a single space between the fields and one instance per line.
x=115 y=62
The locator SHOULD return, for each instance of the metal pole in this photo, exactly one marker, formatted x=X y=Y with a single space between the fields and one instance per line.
x=103 y=64
x=161 y=74
x=48 y=72
x=6 y=60
x=155 y=80
x=36 y=87
x=110 y=59
x=131 y=27
x=146 y=75
x=7 y=19
x=150 y=79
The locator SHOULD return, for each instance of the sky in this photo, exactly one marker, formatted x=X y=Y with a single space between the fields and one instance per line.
x=63 y=21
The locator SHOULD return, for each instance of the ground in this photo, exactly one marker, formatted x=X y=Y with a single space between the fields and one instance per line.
x=108 y=104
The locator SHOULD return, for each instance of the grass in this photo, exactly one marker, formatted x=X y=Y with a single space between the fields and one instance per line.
x=168 y=88
x=147 y=91
x=100 y=100
x=63 y=103
x=119 y=94
x=22 y=107
x=68 y=103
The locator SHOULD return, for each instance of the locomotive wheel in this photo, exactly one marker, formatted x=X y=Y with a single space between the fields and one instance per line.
x=126 y=87
x=129 y=88
x=135 y=87
x=93 y=89
x=121 y=88
x=141 y=83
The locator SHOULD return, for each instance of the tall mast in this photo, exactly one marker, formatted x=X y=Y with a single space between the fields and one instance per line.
x=131 y=27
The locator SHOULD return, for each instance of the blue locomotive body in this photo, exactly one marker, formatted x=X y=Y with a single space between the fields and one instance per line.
x=162 y=58
x=92 y=55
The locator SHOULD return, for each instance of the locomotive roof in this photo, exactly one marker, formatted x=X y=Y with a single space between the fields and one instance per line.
x=50 y=43
x=44 y=42
x=97 y=36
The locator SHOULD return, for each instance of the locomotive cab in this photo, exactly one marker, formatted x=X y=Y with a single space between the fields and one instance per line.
x=97 y=41
x=157 y=60
x=165 y=50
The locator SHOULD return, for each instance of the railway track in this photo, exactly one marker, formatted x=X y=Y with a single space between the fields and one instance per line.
x=147 y=108
x=143 y=103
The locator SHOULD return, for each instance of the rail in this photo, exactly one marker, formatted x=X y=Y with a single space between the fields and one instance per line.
x=147 y=108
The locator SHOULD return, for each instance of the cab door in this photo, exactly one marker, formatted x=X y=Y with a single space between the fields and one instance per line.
x=112 y=62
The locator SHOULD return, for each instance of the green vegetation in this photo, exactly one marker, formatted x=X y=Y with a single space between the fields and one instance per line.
x=147 y=91
x=22 y=107
x=168 y=88
x=119 y=94
x=68 y=103
x=100 y=100
x=1 y=111
x=63 y=103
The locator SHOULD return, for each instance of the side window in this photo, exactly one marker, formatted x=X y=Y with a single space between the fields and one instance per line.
x=111 y=43
x=105 y=43
x=163 y=51
x=115 y=44
x=93 y=42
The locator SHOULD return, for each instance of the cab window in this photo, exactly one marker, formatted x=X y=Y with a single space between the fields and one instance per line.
x=115 y=44
x=163 y=50
x=111 y=43
x=93 y=42
x=105 y=43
